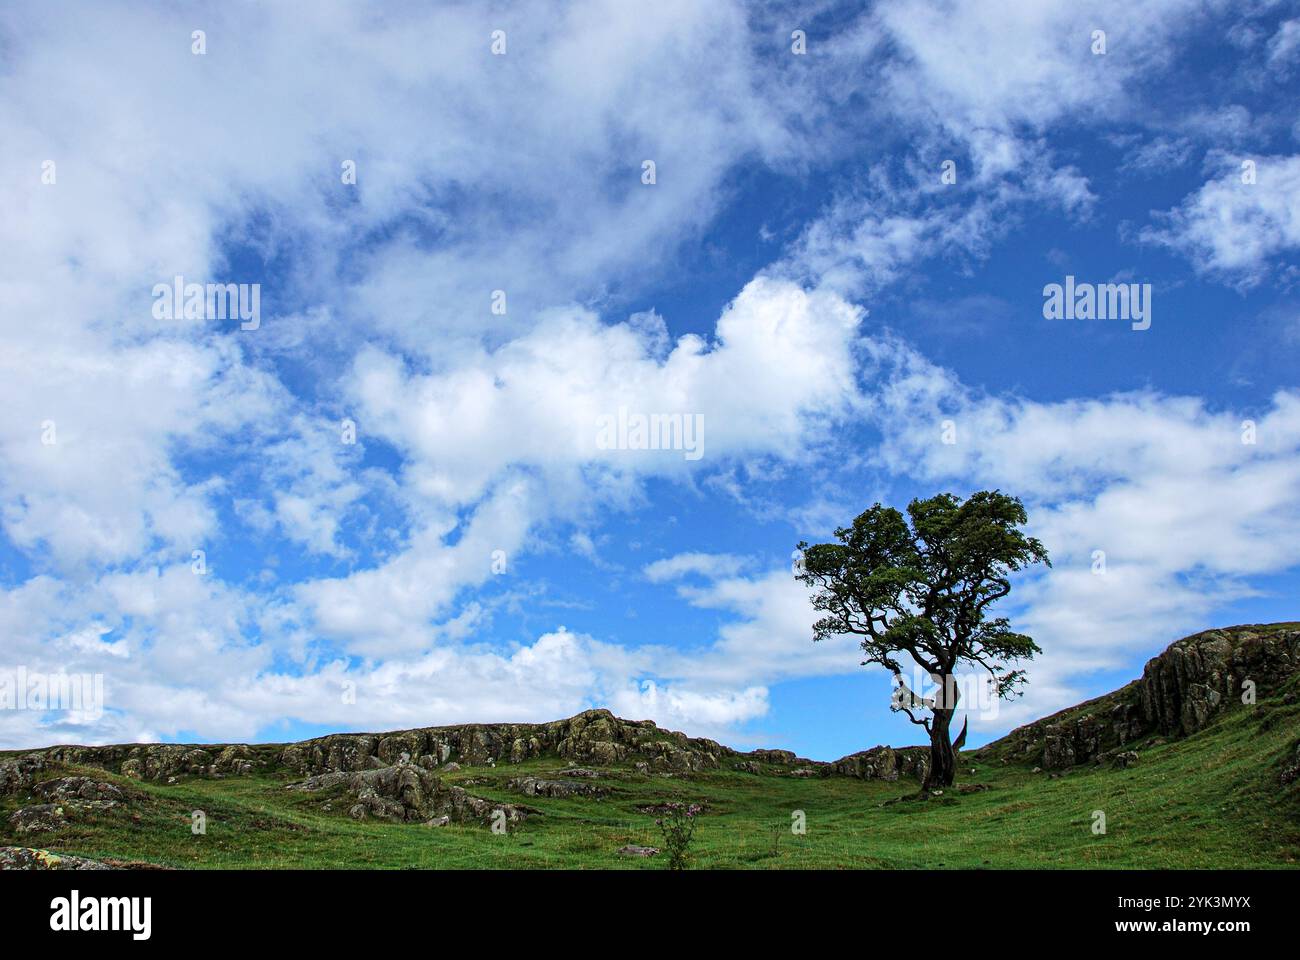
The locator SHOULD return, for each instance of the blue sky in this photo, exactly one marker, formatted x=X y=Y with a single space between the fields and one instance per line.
x=800 y=275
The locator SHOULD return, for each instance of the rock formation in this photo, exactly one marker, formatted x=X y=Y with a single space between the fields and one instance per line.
x=29 y=858
x=1180 y=691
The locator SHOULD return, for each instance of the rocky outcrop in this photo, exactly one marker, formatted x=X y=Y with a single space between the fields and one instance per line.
x=883 y=763
x=65 y=800
x=582 y=772
x=406 y=793
x=594 y=737
x=536 y=787
x=1187 y=685
x=1125 y=758
x=78 y=789
x=878 y=763
x=165 y=761
x=18 y=774
x=30 y=858
x=51 y=817
x=773 y=756
x=1180 y=692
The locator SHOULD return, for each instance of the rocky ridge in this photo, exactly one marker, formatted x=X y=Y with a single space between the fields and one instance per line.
x=401 y=776
x=1180 y=692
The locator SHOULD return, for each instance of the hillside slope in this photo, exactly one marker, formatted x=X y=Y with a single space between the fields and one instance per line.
x=1183 y=773
x=1181 y=690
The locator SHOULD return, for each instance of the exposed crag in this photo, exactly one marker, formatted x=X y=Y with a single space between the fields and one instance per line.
x=400 y=776
x=1180 y=691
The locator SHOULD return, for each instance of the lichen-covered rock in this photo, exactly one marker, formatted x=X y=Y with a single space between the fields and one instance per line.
x=536 y=787
x=1075 y=741
x=1184 y=687
x=772 y=756
x=1180 y=692
x=30 y=858
x=591 y=751
x=237 y=760
x=19 y=774
x=39 y=818
x=50 y=817
x=108 y=757
x=784 y=763
x=594 y=737
x=882 y=763
x=153 y=761
x=71 y=789
x=406 y=793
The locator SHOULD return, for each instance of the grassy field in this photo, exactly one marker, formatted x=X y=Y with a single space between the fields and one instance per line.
x=1212 y=800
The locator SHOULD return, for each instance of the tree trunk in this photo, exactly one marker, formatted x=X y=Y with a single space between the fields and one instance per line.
x=943 y=760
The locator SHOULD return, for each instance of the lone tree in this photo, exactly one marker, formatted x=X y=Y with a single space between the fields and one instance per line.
x=922 y=586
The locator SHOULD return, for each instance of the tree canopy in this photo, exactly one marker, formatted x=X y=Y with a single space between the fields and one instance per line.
x=921 y=585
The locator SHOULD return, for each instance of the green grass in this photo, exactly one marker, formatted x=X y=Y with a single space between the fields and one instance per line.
x=1210 y=801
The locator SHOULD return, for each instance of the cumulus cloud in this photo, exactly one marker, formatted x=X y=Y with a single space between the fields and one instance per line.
x=127 y=442
x=1239 y=225
x=524 y=423
x=475 y=173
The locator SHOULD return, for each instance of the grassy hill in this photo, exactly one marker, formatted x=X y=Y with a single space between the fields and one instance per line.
x=1224 y=795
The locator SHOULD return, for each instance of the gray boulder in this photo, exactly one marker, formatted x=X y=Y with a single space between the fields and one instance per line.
x=19 y=774
x=536 y=787
x=30 y=858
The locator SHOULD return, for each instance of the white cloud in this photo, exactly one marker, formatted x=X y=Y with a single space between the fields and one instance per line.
x=523 y=422
x=472 y=152
x=88 y=436
x=520 y=173
x=1284 y=45
x=988 y=86
x=674 y=709
x=978 y=65
x=682 y=564
x=1236 y=229
x=475 y=173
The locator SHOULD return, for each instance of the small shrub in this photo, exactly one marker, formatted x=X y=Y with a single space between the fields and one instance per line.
x=678 y=827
